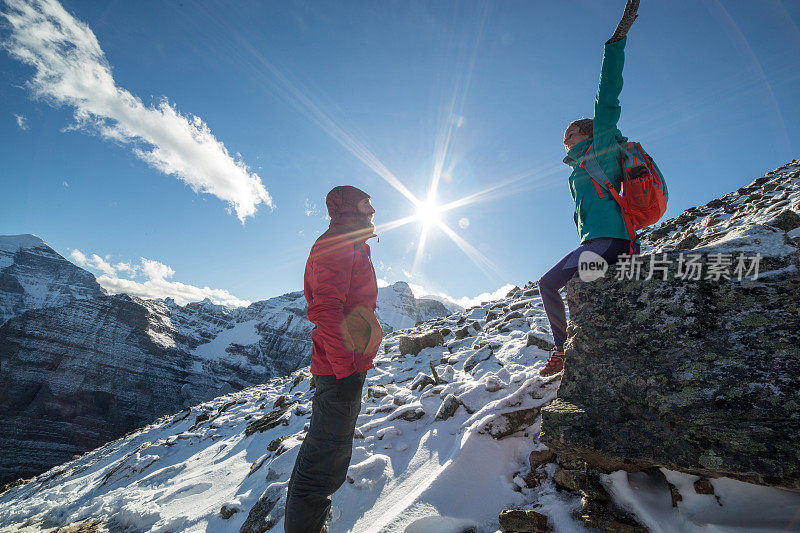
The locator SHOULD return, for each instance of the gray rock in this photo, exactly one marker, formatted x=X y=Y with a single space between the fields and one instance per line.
x=227 y=511
x=422 y=381
x=519 y=521
x=267 y=511
x=506 y=424
x=786 y=220
x=479 y=356
x=535 y=340
x=704 y=378
x=413 y=344
x=448 y=408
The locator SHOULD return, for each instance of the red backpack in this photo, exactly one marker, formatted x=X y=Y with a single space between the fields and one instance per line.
x=644 y=195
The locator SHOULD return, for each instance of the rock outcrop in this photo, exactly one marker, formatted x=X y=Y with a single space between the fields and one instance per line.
x=696 y=375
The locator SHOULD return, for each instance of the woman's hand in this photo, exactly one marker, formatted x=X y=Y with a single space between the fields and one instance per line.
x=631 y=7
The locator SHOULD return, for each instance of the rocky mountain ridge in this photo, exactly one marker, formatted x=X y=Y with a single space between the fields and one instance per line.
x=79 y=367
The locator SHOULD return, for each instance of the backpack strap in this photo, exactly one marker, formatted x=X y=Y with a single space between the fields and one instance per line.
x=593 y=168
x=596 y=173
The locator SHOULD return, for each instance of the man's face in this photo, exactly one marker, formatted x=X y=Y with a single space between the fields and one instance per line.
x=365 y=207
x=572 y=137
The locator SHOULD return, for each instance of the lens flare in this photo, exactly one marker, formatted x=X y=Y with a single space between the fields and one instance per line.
x=428 y=213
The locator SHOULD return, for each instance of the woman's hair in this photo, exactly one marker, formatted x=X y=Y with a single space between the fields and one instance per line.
x=585 y=125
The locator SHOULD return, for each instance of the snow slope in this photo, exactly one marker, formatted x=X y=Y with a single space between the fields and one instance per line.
x=409 y=471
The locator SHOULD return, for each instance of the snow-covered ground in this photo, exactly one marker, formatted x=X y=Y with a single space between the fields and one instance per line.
x=409 y=471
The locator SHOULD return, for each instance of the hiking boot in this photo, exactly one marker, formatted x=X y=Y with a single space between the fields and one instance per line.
x=555 y=363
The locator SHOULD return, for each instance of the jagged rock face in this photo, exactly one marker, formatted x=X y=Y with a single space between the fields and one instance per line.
x=76 y=376
x=63 y=393
x=284 y=333
x=700 y=376
x=33 y=275
x=399 y=309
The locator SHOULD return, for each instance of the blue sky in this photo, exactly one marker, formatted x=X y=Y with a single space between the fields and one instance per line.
x=293 y=98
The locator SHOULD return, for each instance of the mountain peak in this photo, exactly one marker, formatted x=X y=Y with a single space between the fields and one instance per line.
x=401 y=286
x=24 y=240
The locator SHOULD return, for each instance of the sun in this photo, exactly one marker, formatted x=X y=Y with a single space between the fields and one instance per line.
x=428 y=213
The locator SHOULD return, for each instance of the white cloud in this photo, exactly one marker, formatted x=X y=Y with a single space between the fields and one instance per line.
x=102 y=265
x=22 y=122
x=95 y=261
x=71 y=69
x=464 y=301
x=126 y=267
x=382 y=283
x=156 y=285
x=78 y=258
x=155 y=270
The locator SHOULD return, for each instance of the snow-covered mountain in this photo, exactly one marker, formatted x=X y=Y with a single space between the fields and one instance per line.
x=399 y=309
x=33 y=275
x=447 y=438
x=80 y=367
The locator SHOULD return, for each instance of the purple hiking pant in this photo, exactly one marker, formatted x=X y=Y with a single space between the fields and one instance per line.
x=558 y=276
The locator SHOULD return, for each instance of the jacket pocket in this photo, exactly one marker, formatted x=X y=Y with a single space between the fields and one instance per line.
x=357 y=326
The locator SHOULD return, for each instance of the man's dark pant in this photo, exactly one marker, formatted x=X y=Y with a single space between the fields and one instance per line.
x=321 y=465
x=608 y=248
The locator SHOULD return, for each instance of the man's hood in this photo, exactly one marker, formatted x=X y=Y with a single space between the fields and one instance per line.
x=346 y=219
x=342 y=203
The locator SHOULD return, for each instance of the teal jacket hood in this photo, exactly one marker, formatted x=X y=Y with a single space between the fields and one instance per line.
x=576 y=154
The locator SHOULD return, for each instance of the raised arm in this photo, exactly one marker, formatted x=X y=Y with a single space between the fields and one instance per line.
x=625 y=23
x=606 y=106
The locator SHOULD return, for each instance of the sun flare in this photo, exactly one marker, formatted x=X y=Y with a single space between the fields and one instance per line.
x=428 y=213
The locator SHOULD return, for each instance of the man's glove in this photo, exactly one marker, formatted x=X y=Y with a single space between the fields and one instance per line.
x=349 y=389
x=631 y=7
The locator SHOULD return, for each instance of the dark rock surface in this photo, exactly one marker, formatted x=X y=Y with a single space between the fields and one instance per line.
x=700 y=376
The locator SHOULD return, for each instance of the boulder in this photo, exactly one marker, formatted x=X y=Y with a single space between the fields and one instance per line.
x=413 y=344
x=448 y=408
x=787 y=220
x=272 y=419
x=506 y=424
x=267 y=511
x=698 y=376
x=523 y=521
x=541 y=457
x=477 y=357
x=422 y=381
x=227 y=511
x=535 y=340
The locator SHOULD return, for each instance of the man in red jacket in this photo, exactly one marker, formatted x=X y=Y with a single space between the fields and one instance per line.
x=341 y=291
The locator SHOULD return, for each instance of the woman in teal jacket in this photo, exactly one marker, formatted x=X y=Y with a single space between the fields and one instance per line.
x=597 y=216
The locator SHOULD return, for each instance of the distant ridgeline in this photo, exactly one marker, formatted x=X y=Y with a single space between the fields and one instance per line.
x=80 y=367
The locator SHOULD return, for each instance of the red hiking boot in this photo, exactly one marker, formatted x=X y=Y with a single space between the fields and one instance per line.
x=555 y=363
